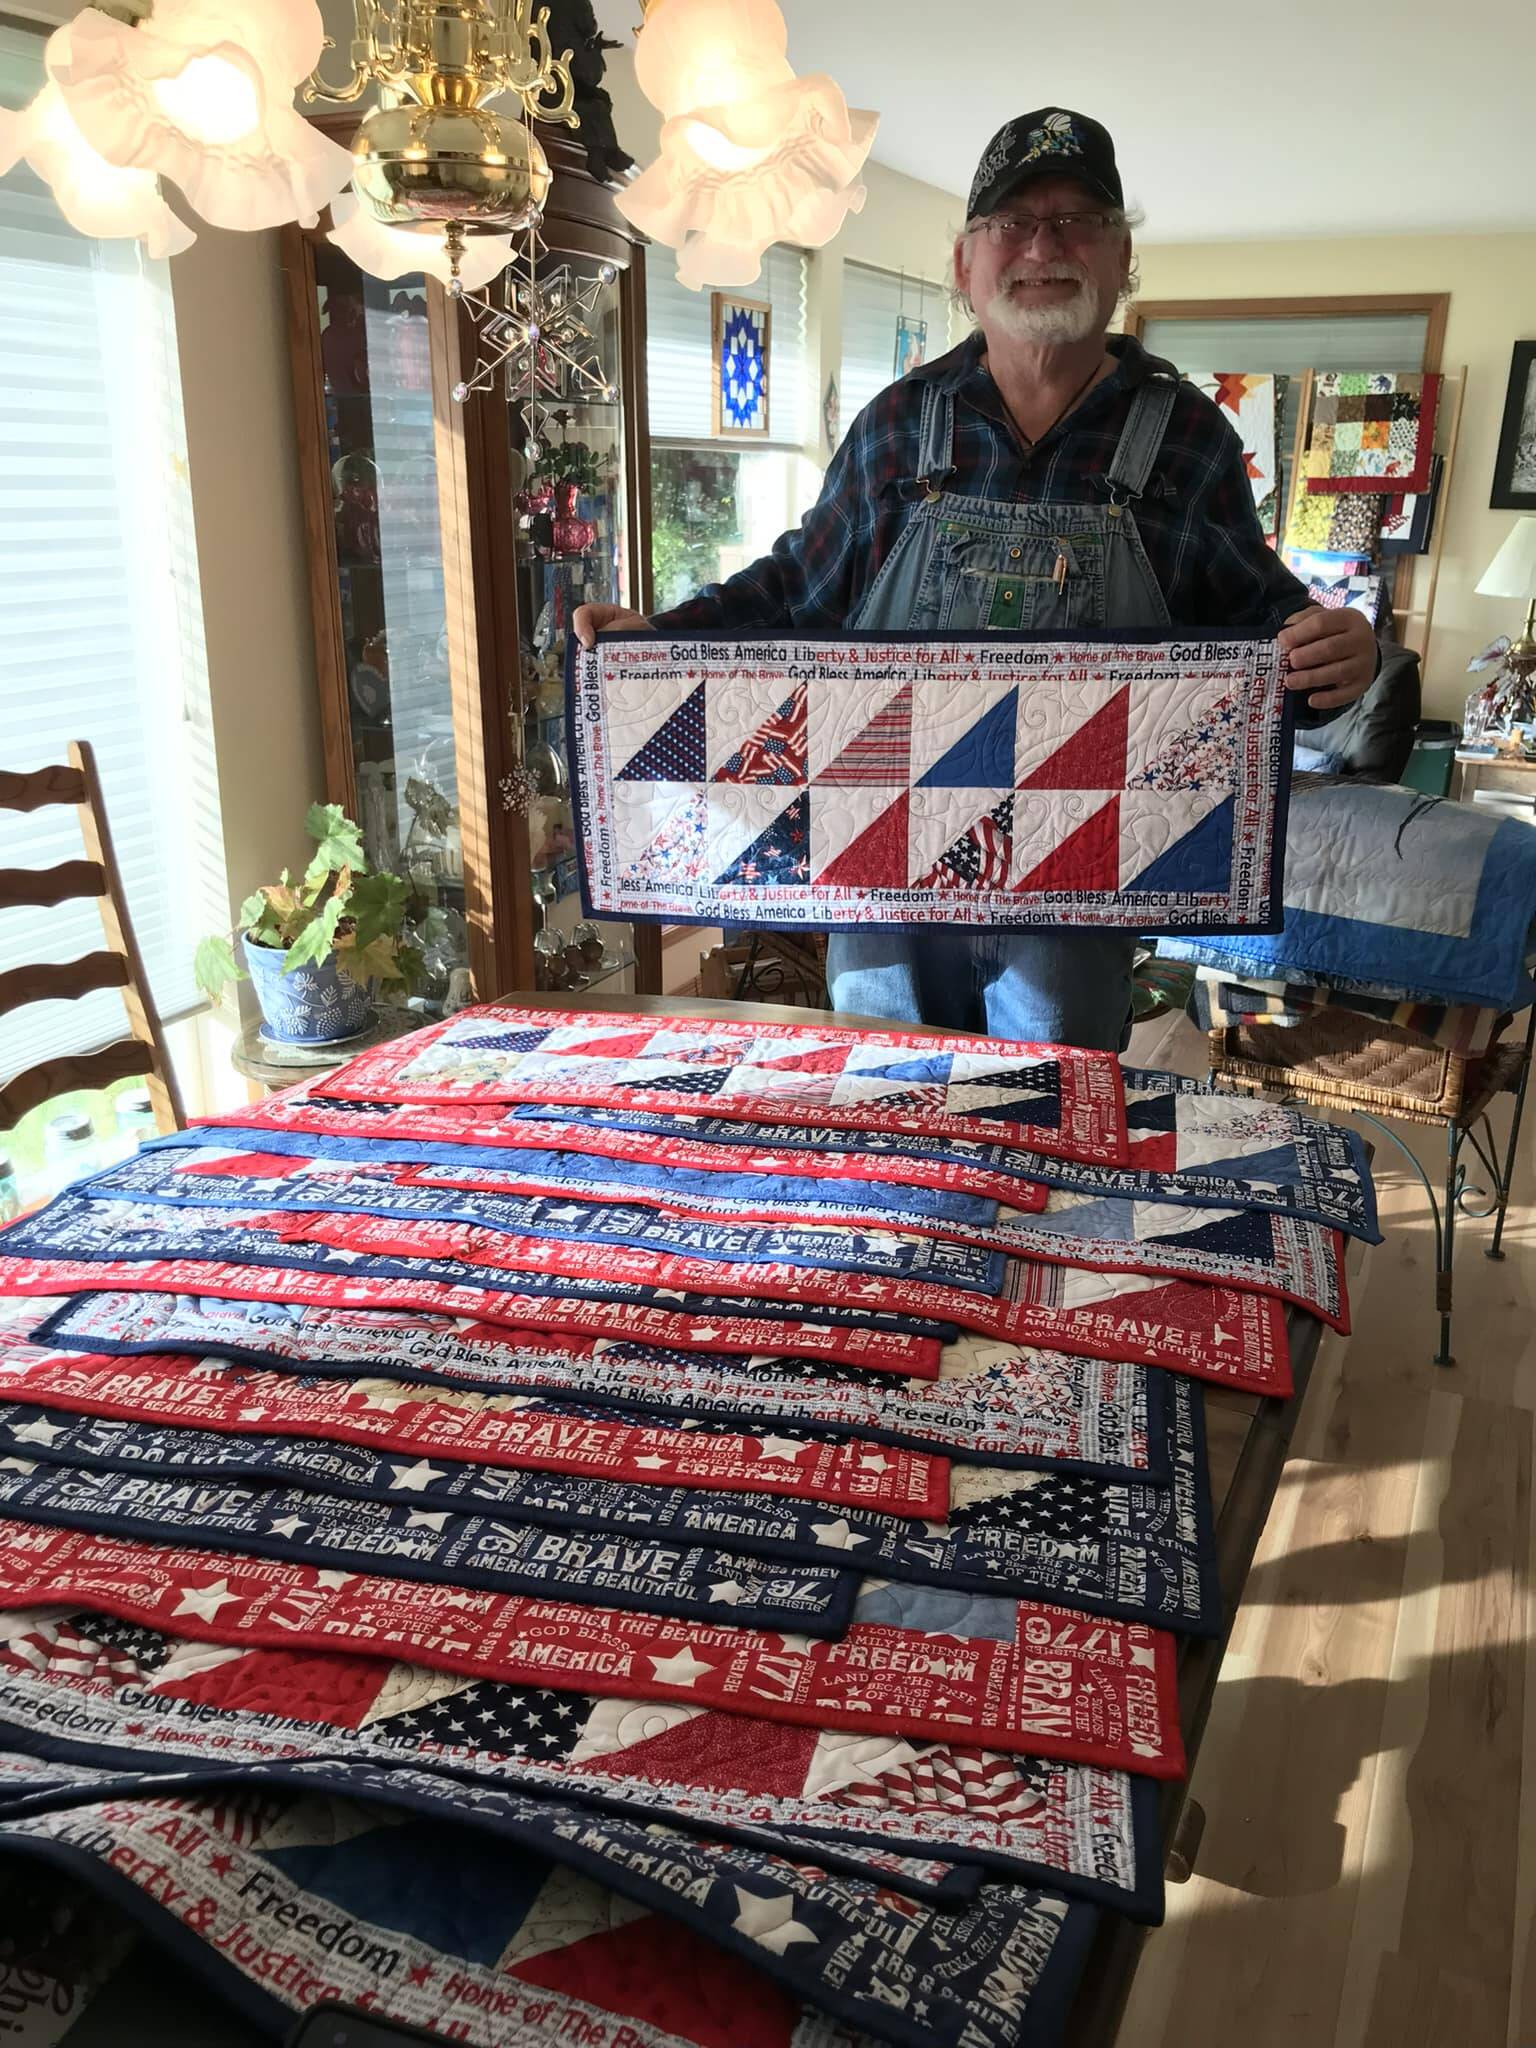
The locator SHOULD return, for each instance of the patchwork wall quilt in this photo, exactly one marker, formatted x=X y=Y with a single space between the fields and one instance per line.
x=512 y=1917
x=917 y=1660
x=1246 y=400
x=1335 y=522
x=1370 y=430
x=1056 y=1099
x=993 y=1403
x=828 y=782
x=117 y=1693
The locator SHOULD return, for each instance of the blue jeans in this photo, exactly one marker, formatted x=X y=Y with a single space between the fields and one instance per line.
x=1047 y=988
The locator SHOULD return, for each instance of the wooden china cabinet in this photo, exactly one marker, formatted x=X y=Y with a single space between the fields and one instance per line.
x=444 y=568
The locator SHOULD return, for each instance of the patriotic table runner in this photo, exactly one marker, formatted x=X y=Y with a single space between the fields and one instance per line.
x=917 y=1661
x=1217 y=1333
x=1185 y=1143
x=1054 y=1098
x=672 y=1167
x=823 y=782
x=848 y=1342
x=846 y=1247
x=1242 y=1248
x=992 y=1404
x=378 y=1897
x=329 y=1533
x=516 y=1432
x=112 y=1692
x=1142 y=1553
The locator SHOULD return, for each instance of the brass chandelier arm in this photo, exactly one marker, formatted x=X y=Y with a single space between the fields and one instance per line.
x=480 y=47
x=367 y=61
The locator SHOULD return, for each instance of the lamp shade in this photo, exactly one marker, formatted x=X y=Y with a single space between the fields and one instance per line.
x=201 y=92
x=750 y=154
x=1512 y=572
x=95 y=197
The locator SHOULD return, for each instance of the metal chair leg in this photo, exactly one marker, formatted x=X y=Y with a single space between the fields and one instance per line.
x=1445 y=1275
x=1496 y=1249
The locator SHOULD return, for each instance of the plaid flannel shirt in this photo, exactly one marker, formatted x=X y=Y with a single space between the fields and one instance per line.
x=1197 y=518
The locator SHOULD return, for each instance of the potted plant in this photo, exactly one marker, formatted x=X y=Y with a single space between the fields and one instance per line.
x=313 y=947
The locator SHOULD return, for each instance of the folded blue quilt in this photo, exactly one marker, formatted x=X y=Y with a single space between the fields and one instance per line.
x=1389 y=890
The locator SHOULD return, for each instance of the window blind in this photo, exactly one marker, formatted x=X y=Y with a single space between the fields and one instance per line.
x=98 y=591
x=872 y=302
x=679 y=359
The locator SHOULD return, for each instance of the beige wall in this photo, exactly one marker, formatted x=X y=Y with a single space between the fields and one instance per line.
x=1492 y=283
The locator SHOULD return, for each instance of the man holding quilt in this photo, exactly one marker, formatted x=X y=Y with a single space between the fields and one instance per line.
x=1044 y=476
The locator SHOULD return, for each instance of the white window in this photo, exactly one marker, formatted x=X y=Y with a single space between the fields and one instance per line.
x=875 y=302
x=102 y=637
x=717 y=505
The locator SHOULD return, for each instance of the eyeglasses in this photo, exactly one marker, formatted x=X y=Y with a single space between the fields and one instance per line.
x=1066 y=227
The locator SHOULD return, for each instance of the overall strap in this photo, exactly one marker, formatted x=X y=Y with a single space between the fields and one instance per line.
x=936 y=439
x=1143 y=436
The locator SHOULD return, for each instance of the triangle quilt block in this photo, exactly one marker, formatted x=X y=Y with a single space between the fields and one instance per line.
x=675 y=751
x=880 y=751
x=776 y=751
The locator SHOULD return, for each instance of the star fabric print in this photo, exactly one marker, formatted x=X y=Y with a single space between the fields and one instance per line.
x=994 y=780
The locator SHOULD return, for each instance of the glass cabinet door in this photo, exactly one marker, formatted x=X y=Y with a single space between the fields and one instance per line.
x=573 y=548
x=377 y=378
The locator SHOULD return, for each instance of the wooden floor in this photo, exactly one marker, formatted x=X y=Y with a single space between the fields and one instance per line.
x=1368 y=1873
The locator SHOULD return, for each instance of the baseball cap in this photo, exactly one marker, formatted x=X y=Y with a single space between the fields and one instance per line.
x=1050 y=142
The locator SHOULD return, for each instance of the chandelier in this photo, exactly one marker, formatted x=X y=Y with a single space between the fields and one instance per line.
x=201 y=93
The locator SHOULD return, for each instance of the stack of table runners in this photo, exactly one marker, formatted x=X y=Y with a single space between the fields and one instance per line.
x=650 y=1532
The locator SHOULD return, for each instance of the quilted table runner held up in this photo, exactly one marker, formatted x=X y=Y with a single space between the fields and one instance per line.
x=829 y=781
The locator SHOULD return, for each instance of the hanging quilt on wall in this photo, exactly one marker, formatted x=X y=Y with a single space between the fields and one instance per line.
x=1407 y=524
x=1370 y=430
x=1247 y=402
x=822 y=782
x=1335 y=523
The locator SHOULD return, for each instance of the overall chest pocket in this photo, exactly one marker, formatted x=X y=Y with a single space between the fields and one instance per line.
x=1030 y=582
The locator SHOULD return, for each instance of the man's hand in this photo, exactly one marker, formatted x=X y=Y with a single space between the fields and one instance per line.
x=592 y=619
x=1333 y=655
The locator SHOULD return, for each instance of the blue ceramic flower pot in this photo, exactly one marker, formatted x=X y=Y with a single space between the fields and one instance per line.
x=310 y=1006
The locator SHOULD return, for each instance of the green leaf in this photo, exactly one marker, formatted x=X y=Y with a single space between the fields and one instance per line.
x=317 y=940
x=377 y=902
x=252 y=911
x=214 y=967
x=340 y=843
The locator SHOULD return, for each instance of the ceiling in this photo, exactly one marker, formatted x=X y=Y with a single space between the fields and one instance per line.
x=1230 y=121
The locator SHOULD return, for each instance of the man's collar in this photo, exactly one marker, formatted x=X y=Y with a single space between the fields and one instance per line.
x=954 y=369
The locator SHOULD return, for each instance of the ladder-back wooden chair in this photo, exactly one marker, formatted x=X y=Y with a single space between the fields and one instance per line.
x=118 y=965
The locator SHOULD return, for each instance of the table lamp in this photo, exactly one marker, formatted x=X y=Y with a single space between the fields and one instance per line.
x=1512 y=573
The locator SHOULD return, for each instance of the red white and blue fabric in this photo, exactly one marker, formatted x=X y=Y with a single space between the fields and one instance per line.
x=940 y=1812
x=1141 y=1553
x=996 y=1404
x=412 y=1897
x=827 y=781
x=1055 y=1099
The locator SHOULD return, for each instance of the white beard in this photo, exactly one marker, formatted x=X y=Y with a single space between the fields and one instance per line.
x=1072 y=321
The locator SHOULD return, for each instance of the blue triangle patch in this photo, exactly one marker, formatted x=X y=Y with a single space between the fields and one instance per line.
x=933 y=1067
x=1200 y=861
x=675 y=751
x=983 y=757
x=1276 y=1167
x=779 y=855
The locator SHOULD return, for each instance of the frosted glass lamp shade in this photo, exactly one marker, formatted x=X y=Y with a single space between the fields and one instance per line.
x=95 y=197
x=1512 y=572
x=750 y=154
x=201 y=92
x=402 y=252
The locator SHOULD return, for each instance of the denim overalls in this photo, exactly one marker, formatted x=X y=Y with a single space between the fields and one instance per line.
x=966 y=565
